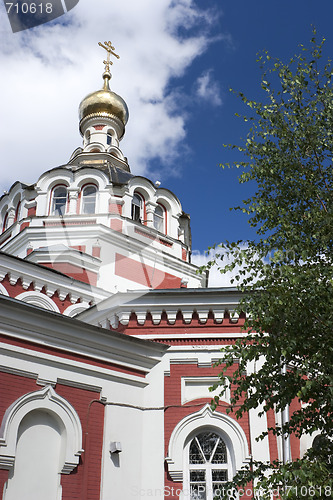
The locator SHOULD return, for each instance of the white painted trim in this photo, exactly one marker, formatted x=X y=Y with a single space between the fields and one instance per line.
x=228 y=428
x=3 y=290
x=198 y=387
x=39 y=300
x=45 y=399
x=88 y=369
x=74 y=309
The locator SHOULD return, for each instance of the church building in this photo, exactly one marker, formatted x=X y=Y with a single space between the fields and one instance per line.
x=109 y=336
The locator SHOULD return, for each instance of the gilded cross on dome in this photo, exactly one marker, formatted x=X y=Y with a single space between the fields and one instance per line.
x=110 y=50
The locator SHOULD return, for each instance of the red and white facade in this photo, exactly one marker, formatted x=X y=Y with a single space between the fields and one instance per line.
x=109 y=338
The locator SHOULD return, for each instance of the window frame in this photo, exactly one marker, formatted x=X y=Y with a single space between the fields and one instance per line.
x=5 y=221
x=52 y=210
x=17 y=211
x=160 y=221
x=207 y=466
x=83 y=201
x=140 y=207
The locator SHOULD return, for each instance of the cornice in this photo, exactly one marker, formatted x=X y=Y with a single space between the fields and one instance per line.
x=40 y=277
x=26 y=322
x=117 y=309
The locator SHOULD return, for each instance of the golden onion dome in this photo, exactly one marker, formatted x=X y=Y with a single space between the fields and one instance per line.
x=105 y=103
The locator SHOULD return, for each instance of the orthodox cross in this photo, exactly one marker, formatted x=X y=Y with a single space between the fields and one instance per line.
x=110 y=50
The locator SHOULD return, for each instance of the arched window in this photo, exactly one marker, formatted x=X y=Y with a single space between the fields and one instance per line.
x=59 y=200
x=208 y=465
x=17 y=211
x=220 y=450
x=89 y=199
x=5 y=220
x=137 y=206
x=159 y=222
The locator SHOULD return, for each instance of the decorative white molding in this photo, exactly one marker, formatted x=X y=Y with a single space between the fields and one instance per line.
x=73 y=297
x=187 y=316
x=45 y=399
x=17 y=371
x=172 y=316
x=205 y=419
x=198 y=387
x=43 y=277
x=234 y=316
x=124 y=317
x=219 y=302
x=38 y=299
x=25 y=282
x=203 y=315
x=43 y=382
x=50 y=290
x=62 y=294
x=218 y=316
x=13 y=277
x=75 y=309
x=156 y=317
x=38 y=285
x=114 y=322
x=141 y=317
x=3 y=290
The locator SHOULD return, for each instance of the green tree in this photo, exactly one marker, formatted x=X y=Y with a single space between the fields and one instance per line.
x=286 y=274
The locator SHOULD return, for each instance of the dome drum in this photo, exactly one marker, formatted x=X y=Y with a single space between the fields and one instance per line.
x=104 y=119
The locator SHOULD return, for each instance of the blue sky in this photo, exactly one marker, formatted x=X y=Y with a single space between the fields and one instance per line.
x=276 y=26
x=178 y=61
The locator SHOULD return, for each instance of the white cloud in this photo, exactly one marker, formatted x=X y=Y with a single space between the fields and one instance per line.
x=208 y=89
x=46 y=72
x=216 y=278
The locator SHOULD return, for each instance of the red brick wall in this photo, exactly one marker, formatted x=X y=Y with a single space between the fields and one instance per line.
x=273 y=449
x=115 y=208
x=174 y=415
x=117 y=225
x=17 y=289
x=142 y=273
x=76 y=272
x=84 y=482
x=32 y=211
x=294 y=441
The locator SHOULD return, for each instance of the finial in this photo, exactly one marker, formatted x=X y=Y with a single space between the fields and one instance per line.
x=110 y=50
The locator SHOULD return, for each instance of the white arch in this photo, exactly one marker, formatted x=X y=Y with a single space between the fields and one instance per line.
x=192 y=423
x=75 y=309
x=3 y=290
x=38 y=299
x=89 y=176
x=44 y=399
x=114 y=150
x=141 y=185
x=94 y=146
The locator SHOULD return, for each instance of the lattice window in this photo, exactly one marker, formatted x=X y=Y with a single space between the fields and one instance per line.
x=208 y=465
